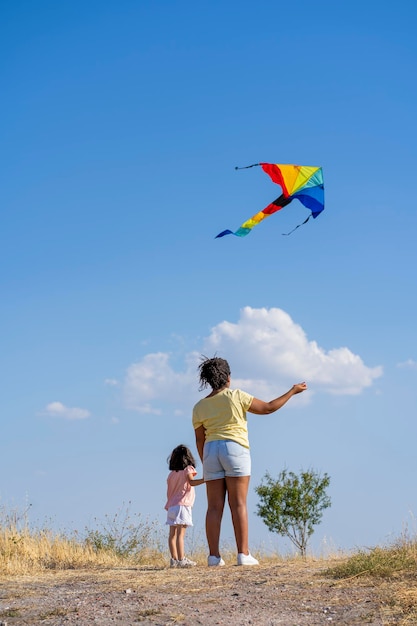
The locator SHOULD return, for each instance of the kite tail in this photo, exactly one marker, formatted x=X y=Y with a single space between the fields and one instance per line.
x=302 y=224
x=224 y=232
x=247 y=166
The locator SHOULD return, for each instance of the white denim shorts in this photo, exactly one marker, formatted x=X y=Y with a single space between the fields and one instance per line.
x=179 y=515
x=225 y=458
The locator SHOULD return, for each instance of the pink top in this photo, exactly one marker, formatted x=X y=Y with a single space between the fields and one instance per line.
x=179 y=490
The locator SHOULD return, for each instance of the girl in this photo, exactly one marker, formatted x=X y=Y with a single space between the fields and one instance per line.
x=180 y=499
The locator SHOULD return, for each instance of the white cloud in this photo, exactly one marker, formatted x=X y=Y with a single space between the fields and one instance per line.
x=153 y=378
x=111 y=382
x=57 y=409
x=267 y=352
x=271 y=347
x=408 y=364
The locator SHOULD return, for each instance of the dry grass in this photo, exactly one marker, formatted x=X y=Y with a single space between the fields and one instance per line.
x=25 y=553
x=121 y=540
x=393 y=569
x=379 y=562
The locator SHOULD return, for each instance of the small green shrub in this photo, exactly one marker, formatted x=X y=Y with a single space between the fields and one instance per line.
x=292 y=504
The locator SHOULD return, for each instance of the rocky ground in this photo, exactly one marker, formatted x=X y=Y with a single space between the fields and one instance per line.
x=287 y=594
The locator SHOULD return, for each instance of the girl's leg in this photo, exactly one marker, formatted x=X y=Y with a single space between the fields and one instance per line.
x=180 y=541
x=216 y=494
x=172 y=542
x=237 y=491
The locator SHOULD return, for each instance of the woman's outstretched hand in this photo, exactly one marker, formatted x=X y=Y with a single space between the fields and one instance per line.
x=299 y=387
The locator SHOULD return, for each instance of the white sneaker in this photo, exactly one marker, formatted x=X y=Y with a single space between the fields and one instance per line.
x=186 y=563
x=246 y=559
x=173 y=562
x=215 y=561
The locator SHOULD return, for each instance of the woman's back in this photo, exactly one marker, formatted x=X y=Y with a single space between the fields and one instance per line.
x=223 y=415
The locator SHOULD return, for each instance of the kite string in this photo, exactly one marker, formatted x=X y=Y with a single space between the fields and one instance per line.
x=302 y=224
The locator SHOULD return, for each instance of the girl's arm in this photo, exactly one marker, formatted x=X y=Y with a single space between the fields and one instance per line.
x=194 y=482
x=259 y=407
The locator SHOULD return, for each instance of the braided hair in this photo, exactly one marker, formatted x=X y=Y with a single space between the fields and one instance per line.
x=214 y=372
x=180 y=458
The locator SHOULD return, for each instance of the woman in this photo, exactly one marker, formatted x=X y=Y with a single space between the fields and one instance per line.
x=222 y=442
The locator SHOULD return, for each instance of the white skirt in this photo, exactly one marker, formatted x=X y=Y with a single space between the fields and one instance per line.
x=179 y=515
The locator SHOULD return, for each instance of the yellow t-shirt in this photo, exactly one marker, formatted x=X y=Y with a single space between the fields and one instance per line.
x=224 y=416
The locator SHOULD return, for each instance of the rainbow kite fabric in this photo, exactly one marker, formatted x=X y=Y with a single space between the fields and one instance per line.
x=296 y=181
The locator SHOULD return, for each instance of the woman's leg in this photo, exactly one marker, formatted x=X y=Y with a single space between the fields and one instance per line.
x=180 y=542
x=216 y=494
x=237 y=492
x=172 y=542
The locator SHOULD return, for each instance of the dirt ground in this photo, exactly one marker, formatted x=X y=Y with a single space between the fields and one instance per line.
x=287 y=594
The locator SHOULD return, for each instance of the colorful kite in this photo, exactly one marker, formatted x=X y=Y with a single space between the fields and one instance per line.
x=296 y=181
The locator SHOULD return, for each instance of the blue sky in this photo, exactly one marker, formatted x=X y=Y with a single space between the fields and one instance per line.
x=121 y=126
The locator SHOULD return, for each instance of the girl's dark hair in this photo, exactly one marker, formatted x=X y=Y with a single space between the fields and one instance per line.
x=214 y=372
x=180 y=458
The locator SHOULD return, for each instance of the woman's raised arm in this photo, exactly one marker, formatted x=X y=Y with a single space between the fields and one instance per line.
x=259 y=407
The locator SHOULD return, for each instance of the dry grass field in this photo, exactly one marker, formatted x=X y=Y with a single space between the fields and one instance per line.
x=120 y=575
